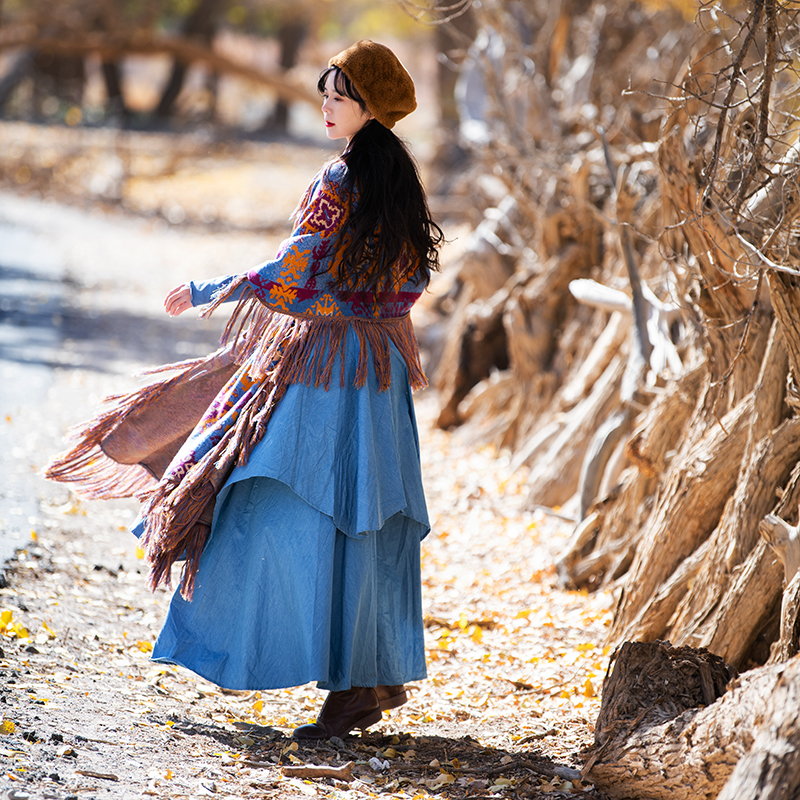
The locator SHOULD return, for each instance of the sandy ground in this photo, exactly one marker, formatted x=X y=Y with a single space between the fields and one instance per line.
x=515 y=663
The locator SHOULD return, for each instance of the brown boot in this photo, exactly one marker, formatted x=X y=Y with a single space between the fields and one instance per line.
x=391 y=696
x=358 y=707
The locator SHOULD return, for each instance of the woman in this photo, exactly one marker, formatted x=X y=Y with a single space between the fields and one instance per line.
x=296 y=500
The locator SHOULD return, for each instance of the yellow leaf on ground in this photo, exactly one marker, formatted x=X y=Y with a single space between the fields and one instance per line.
x=19 y=631
x=444 y=779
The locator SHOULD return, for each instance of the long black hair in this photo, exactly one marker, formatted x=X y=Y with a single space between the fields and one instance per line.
x=390 y=235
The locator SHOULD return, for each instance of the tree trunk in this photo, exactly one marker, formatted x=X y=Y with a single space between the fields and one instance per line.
x=555 y=478
x=144 y=43
x=771 y=768
x=291 y=34
x=201 y=25
x=668 y=730
x=113 y=83
x=58 y=75
x=620 y=521
x=21 y=67
x=694 y=491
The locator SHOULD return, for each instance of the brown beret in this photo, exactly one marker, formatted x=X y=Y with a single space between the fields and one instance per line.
x=382 y=81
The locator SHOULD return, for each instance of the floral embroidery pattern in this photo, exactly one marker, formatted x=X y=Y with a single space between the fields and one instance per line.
x=282 y=296
x=293 y=265
x=327 y=307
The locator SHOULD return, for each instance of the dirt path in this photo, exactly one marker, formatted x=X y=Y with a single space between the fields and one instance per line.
x=514 y=663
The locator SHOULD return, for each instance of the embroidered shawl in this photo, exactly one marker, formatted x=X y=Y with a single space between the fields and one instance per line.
x=174 y=442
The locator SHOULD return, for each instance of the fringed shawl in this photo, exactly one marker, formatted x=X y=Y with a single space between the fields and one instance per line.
x=174 y=442
x=230 y=396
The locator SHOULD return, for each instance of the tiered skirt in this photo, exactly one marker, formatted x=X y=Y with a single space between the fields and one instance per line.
x=312 y=569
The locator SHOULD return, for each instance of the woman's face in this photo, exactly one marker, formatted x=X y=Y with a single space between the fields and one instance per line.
x=344 y=117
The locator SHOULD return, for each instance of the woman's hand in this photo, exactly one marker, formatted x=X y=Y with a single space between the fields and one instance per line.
x=178 y=300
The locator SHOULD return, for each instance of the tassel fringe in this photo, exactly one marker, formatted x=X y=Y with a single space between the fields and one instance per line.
x=302 y=348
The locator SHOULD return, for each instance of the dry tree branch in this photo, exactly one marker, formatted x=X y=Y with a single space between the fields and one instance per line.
x=763 y=122
x=186 y=50
x=737 y=69
x=458 y=8
x=745 y=337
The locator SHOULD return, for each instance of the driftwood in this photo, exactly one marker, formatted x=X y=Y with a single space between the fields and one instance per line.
x=342 y=773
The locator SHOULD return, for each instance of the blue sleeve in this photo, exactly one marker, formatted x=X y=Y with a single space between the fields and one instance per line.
x=203 y=292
